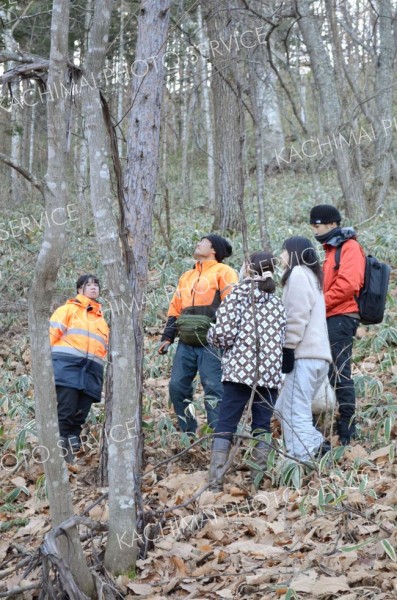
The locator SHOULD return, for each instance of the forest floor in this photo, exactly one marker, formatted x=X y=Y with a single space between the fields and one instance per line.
x=328 y=532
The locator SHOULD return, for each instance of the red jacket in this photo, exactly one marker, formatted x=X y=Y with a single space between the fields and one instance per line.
x=341 y=285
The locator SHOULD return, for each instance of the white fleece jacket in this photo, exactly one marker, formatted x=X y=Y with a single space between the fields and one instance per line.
x=306 y=330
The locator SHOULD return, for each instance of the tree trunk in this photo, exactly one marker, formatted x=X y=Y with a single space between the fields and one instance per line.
x=330 y=107
x=31 y=137
x=267 y=128
x=120 y=86
x=228 y=116
x=143 y=150
x=82 y=182
x=44 y=284
x=185 y=102
x=16 y=130
x=123 y=440
x=384 y=75
x=206 y=109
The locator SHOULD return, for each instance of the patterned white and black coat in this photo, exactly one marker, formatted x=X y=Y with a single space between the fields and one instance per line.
x=234 y=331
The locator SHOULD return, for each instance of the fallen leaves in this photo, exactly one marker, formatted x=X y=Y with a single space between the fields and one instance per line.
x=317 y=541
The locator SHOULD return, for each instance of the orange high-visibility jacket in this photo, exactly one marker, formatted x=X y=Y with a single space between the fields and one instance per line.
x=199 y=286
x=79 y=338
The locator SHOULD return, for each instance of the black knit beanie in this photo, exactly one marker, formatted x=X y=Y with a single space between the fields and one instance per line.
x=221 y=246
x=323 y=214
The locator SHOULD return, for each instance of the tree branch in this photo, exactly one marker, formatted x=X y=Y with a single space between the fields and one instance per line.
x=17 y=591
x=37 y=183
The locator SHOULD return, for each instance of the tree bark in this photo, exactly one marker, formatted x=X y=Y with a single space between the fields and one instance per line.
x=185 y=103
x=143 y=151
x=228 y=116
x=44 y=283
x=330 y=107
x=384 y=74
x=206 y=108
x=120 y=86
x=122 y=439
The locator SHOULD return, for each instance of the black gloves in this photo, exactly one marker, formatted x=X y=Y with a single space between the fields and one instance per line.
x=288 y=360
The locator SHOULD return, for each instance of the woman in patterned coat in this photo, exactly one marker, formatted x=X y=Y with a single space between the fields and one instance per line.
x=249 y=327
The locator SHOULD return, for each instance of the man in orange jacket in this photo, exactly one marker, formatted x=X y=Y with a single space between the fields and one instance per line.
x=341 y=286
x=199 y=292
x=79 y=341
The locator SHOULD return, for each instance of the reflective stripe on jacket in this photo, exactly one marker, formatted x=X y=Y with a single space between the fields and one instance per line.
x=79 y=341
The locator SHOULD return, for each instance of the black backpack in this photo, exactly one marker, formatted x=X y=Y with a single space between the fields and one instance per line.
x=371 y=299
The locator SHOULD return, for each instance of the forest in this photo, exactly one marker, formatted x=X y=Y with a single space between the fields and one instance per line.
x=129 y=131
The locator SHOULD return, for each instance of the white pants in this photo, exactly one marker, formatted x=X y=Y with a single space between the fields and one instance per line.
x=294 y=407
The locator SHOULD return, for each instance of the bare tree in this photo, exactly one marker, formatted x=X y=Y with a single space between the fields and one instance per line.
x=351 y=182
x=206 y=108
x=55 y=193
x=228 y=115
x=143 y=143
x=123 y=437
x=384 y=74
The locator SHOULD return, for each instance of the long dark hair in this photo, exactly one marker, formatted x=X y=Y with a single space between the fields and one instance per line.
x=259 y=263
x=301 y=252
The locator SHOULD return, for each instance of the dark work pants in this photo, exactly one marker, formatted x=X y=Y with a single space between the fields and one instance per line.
x=187 y=361
x=73 y=408
x=234 y=400
x=341 y=331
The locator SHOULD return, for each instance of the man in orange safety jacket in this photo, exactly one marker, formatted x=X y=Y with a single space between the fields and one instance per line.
x=199 y=292
x=79 y=341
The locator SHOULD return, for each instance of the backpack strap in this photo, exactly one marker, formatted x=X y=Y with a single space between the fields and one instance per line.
x=337 y=256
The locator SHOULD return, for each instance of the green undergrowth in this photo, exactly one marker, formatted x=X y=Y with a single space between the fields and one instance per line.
x=289 y=196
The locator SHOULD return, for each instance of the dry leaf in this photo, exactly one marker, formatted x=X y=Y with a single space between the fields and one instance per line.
x=19 y=482
x=320 y=587
x=263 y=550
x=225 y=593
x=206 y=499
x=381 y=453
x=141 y=589
x=168 y=587
x=75 y=469
x=180 y=565
x=356 y=452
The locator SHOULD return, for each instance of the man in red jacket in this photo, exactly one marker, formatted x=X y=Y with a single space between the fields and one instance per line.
x=341 y=285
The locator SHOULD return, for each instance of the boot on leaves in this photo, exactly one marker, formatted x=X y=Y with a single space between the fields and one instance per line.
x=219 y=455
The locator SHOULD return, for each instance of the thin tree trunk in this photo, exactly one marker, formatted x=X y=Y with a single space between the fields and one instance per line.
x=185 y=134
x=351 y=183
x=31 y=137
x=206 y=109
x=16 y=128
x=384 y=75
x=44 y=284
x=228 y=116
x=143 y=150
x=120 y=555
x=120 y=87
x=262 y=108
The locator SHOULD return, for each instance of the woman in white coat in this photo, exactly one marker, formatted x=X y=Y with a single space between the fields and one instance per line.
x=306 y=352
